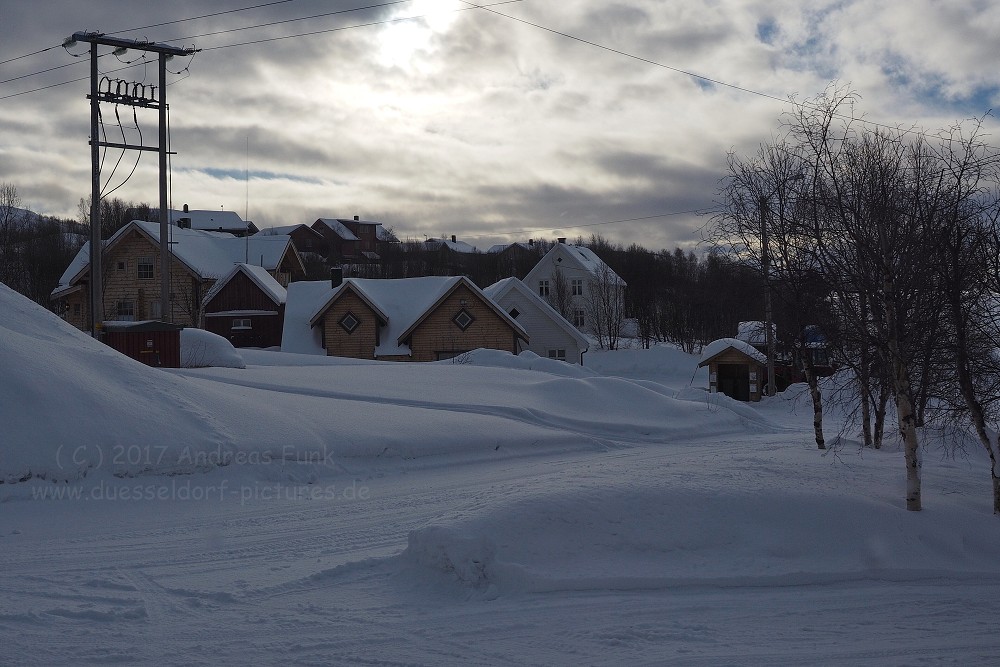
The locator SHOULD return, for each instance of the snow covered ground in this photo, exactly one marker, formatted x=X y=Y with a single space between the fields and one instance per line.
x=502 y=510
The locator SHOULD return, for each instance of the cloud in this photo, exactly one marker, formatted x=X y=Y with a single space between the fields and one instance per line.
x=478 y=125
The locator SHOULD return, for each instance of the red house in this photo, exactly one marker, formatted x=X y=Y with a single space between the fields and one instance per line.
x=247 y=306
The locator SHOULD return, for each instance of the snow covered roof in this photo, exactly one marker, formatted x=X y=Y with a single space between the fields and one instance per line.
x=286 y=229
x=264 y=280
x=500 y=247
x=579 y=257
x=227 y=221
x=718 y=346
x=456 y=246
x=338 y=228
x=502 y=288
x=402 y=303
x=79 y=264
x=207 y=254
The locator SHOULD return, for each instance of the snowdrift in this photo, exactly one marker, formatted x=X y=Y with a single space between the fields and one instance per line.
x=200 y=349
x=72 y=406
x=651 y=537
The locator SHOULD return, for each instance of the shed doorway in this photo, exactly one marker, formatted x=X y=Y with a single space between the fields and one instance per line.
x=734 y=381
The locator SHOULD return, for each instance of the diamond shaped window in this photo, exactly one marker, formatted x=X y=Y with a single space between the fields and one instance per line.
x=349 y=323
x=463 y=319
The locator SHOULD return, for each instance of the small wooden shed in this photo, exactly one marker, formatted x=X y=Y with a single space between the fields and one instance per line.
x=153 y=343
x=735 y=369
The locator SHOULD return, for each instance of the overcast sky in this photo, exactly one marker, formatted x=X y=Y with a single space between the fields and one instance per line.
x=471 y=123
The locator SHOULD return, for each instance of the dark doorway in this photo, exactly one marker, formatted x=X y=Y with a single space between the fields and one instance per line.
x=734 y=381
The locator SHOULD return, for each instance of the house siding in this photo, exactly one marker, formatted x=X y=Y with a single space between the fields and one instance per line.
x=187 y=290
x=242 y=293
x=361 y=343
x=439 y=334
x=545 y=335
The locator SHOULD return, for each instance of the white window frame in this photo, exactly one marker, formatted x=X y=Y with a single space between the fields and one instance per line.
x=579 y=317
x=125 y=310
x=145 y=266
x=543 y=288
x=242 y=324
x=576 y=285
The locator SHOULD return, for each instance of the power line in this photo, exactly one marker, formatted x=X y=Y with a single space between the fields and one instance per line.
x=358 y=25
x=203 y=16
x=695 y=75
x=259 y=41
x=154 y=25
x=274 y=23
x=28 y=55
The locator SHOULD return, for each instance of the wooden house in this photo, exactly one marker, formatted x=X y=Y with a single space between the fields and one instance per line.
x=735 y=369
x=406 y=319
x=131 y=267
x=343 y=245
x=305 y=238
x=552 y=336
x=246 y=306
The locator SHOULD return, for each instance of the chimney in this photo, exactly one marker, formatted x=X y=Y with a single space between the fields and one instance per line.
x=356 y=218
x=562 y=239
x=336 y=276
x=453 y=239
x=185 y=208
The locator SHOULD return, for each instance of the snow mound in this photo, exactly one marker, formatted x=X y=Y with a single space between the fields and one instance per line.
x=526 y=360
x=69 y=403
x=653 y=537
x=200 y=349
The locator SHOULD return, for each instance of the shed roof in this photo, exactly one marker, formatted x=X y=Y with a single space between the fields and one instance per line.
x=717 y=347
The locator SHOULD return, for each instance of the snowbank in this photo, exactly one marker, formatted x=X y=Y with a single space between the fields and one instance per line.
x=71 y=406
x=526 y=360
x=648 y=536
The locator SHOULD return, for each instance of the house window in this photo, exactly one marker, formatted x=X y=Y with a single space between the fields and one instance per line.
x=543 y=288
x=125 y=310
x=577 y=286
x=578 y=319
x=145 y=268
x=559 y=355
x=349 y=323
x=514 y=312
x=463 y=319
x=241 y=324
x=154 y=310
x=121 y=265
x=76 y=309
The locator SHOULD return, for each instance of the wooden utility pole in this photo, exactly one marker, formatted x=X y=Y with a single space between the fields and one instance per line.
x=136 y=95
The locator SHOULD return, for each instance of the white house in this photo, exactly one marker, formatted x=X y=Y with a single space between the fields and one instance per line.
x=550 y=334
x=577 y=283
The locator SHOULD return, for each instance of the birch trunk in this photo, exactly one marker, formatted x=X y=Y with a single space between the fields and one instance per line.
x=904 y=401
